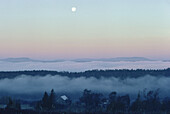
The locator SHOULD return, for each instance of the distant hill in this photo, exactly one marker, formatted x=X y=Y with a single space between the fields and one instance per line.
x=122 y=74
x=24 y=59
x=17 y=60
x=166 y=60
x=117 y=59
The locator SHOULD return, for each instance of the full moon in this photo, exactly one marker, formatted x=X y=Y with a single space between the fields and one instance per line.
x=73 y=9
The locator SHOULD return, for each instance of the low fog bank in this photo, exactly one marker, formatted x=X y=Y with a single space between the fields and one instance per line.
x=61 y=84
x=82 y=66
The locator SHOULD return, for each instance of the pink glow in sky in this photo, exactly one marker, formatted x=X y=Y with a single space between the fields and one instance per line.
x=98 y=29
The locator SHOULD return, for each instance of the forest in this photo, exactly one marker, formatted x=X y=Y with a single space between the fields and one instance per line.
x=147 y=102
x=118 y=73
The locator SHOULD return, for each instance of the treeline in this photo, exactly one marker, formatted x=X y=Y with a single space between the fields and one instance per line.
x=124 y=73
x=147 y=102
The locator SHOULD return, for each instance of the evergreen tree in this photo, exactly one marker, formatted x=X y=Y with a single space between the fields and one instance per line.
x=10 y=104
x=91 y=100
x=13 y=105
x=112 y=102
x=45 y=101
x=137 y=104
x=52 y=100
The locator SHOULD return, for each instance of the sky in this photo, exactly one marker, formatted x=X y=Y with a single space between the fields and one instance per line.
x=48 y=29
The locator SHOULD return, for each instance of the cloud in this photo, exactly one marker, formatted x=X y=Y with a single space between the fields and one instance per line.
x=62 y=84
x=82 y=66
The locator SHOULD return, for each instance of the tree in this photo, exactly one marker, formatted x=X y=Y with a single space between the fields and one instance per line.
x=91 y=100
x=13 y=105
x=38 y=106
x=152 y=101
x=118 y=104
x=52 y=100
x=10 y=104
x=112 y=102
x=86 y=98
x=137 y=105
x=45 y=101
x=166 y=104
x=123 y=103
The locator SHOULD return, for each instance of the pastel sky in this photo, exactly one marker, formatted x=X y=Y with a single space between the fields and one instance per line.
x=48 y=29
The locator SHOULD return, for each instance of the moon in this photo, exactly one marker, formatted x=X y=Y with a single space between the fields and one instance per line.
x=73 y=9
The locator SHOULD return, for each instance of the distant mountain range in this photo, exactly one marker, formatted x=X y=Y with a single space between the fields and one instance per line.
x=24 y=59
x=117 y=59
x=166 y=60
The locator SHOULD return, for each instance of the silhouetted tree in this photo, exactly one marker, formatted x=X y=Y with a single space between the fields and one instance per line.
x=166 y=105
x=118 y=104
x=12 y=105
x=38 y=106
x=45 y=102
x=112 y=102
x=91 y=100
x=86 y=98
x=52 y=100
x=137 y=105
x=152 y=101
x=123 y=103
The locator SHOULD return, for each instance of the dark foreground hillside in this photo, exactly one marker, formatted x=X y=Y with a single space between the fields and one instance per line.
x=146 y=102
